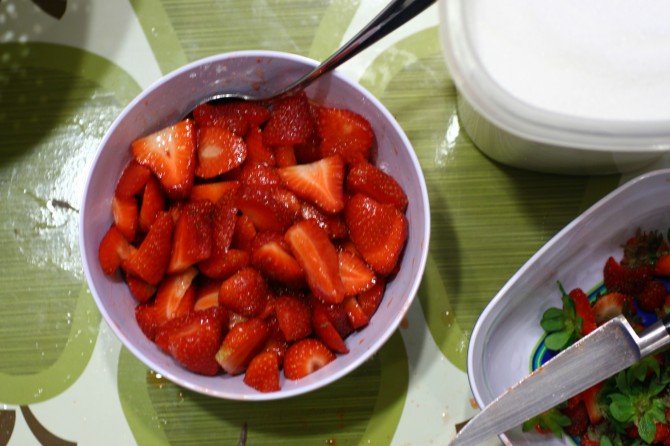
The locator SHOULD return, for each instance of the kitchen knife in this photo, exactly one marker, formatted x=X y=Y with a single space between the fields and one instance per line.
x=604 y=352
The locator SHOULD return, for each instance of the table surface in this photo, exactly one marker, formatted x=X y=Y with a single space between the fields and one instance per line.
x=68 y=67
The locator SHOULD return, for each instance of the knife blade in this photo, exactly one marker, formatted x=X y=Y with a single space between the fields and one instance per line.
x=613 y=347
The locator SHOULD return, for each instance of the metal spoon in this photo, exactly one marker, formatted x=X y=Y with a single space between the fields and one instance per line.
x=393 y=16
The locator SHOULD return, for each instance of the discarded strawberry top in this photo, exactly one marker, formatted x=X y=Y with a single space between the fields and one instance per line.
x=633 y=407
x=256 y=239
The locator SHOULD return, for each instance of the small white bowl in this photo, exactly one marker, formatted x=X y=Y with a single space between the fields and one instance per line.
x=508 y=331
x=171 y=98
x=501 y=110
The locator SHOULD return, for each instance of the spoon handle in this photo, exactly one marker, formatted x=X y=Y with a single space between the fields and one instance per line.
x=393 y=16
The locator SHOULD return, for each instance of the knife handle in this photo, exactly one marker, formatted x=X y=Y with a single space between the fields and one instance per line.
x=655 y=337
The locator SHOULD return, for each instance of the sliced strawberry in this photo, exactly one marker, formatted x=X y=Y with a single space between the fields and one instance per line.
x=584 y=310
x=149 y=262
x=220 y=266
x=294 y=317
x=317 y=256
x=652 y=296
x=194 y=339
x=356 y=275
x=244 y=233
x=291 y=122
x=192 y=241
x=590 y=399
x=206 y=115
x=277 y=346
x=271 y=254
x=306 y=356
x=113 y=250
x=153 y=202
x=257 y=151
x=326 y=331
x=379 y=231
x=355 y=313
x=624 y=279
x=213 y=191
x=207 y=296
x=175 y=297
x=369 y=300
x=263 y=372
x=132 y=180
x=337 y=316
x=333 y=224
x=219 y=151
x=263 y=209
x=241 y=344
x=231 y=114
x=245 y=292
x=140 y=290
x=126 y=216
x=285 y=156
x=258 y=175
x=608 y=306
x=320 y=182
x=367 y=179
x=345 y=133
x=662 y=267
x=170 y=154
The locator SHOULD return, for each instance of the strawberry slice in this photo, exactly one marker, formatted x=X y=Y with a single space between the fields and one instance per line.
x=222 y=265
x=317 y=256
x=367 y=179
x=662 y=267
x=271 y=254
x=149 y=262
x=153 y=202
x=356 y=275
x=140 y=290
x=261 y=206
x=263 y=372
x=170 y=154
x=369 y=300
x=207 y=296
x=237 y=115
x=219 y=151
x=194 y=338
x=325 y=330
x=355 y=313
x=320 y=182
x=285 y=156
x=257 y=151
x=333 y=224
x=213 y=191
x=258 y=175
x=192 y=241
x=291 y=122
x=378 y=231
x=652 y=296
x=584 y=310
x=126 y=216
x=114 y=249
x=306 y=356
x=608 y=306
x=294 y=317
x=175 y=297
x=132 y=180
x=345 y=133
x=244 y=233
x=241 y=344
x=245 y=292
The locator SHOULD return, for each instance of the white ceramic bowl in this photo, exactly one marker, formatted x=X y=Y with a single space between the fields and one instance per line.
x=169 y=99
x=508 y=331
x=512 y=129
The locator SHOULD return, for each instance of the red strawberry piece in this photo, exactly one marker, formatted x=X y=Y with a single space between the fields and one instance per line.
x=333 y=224
x=579 y=419
x=140 y=290
x=356 y=276
x=294 y=317
x=277 y=346
x=257 y=151
x=126 y=216
x=206 y=115
x=175 y=297
x=192 y=241
x=261 y=206
x=590 y=398
x=241 y=344
x=132 y=180
x=271 y=254
x=149 y=262
x=291 y=122
x=319 y=182
x=231 y=113
x=223 y=265
x=345 y=133
x=113 y=250
x=207 y=296
x=317 y=256
x=194 y=339
x=245 y=292
x=263 y=372
x=585 y=440
x=367 y=179
x=244 y=233
x=624 y=279
x=213 y=191
x=285 y=156
x=378 y=231
x=153 y=202
x=652 y=296
x=584 y=310
x=306 y=356
x=355 y=313
x=219 y=151
x=662 y=267
x=258 y=175
x=369 y=300
x=662 y=433
x=338 y=317
x=608 y=306
x=325 y=330
x=170 y=154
